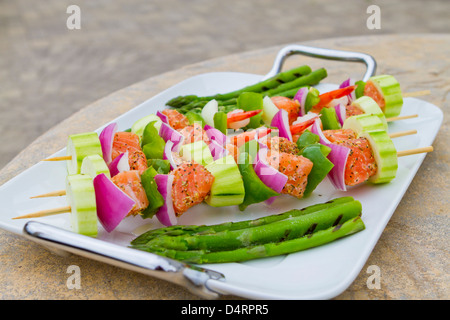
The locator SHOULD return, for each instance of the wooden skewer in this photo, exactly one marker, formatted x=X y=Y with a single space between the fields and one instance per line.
x=58 y=158
x=44 y=213
x=402 y=118
x=402 y=133
x=416 y=93
x=59 y=193
x=51 y=194
x=63 y=192
x=414 y=151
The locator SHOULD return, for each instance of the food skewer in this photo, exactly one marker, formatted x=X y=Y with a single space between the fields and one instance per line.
x=63 y=192
x=48 y=212
x=44 y=213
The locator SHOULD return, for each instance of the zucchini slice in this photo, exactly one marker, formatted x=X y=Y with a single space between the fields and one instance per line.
x=93 y=165
x=228 y=186
x=139 y=126
x=197 y=151
x=79 y=146
x=363 y=123
x=81 y=198
x=369 y=106
x=386 y=91
x=385 y=155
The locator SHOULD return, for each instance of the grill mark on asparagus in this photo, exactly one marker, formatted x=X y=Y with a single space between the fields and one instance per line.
x=310 y=230
x=338 y=219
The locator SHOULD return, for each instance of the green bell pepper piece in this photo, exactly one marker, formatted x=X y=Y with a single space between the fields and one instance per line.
x=308 y=138
x=251 y=147
x=255 y=190
x=194 y=117
x=152 y=143
x=309 y=146
x=161 y=166
x=248 y=101
x=321 y=167
x=220 y=121
x=311 y=99
x=329 y=119
x=359 y=91
x=154 y=197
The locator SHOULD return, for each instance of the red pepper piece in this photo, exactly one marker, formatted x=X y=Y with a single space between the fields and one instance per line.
x=300 y=127
x=327 y=97
x=239 y=116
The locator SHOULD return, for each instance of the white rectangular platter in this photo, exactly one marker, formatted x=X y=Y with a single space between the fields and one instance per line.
x=319 y=273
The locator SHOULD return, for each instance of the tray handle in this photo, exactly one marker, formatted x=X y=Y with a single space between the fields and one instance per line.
x=189 y=276
x=322 y=53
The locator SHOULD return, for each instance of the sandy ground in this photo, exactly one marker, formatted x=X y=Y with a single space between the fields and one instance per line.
x=48 y=72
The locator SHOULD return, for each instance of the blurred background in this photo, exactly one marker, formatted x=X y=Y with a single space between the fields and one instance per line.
x=48 y=72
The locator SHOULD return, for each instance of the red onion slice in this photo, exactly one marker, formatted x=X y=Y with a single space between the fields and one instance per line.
x=168 y=155
x=347 y=83
x=113 y=205
x=106 y=140
x=119 y=164
x=315 y=128
x=281 y=121
x=166 y=214
x=215 y=135
x=341 y=113
x=270 y=176
x=300 y=96
x=163 y=117
x=217 y=150
x=338 y=156
x=170 y=134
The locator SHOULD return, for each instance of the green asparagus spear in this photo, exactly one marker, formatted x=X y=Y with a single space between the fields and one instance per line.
x=282 y=77
x=288 y=90
x=290 y=93
x=230 y=226
x=311 y=79
x=201 y=103
x=287 y=229
x=271 y=249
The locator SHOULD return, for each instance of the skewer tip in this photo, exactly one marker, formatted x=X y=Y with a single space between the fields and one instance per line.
x=402 y=133
x=415 y=151
x=44 y=213
x=416 y=93
x=402 y=117
x=50 y=194
x=58 y=158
